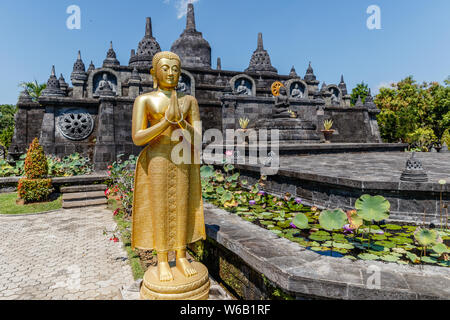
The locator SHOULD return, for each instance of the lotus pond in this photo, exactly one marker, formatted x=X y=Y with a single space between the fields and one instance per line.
x=357 y=234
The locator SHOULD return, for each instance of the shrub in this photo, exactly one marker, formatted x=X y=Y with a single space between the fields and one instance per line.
x=36 y=166
x=34 y=190
x=122 y=181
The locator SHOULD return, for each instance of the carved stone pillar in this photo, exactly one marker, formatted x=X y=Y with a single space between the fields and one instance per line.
x=105 y=148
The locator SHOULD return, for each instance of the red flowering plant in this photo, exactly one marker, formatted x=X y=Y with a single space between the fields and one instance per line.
x=121 y=185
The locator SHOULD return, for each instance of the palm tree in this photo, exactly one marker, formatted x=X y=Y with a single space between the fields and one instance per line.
x=34 y=88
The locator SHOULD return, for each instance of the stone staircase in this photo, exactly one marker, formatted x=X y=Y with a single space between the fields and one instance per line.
x=83 y=196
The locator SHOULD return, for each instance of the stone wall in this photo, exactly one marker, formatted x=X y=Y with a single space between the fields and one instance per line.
x=353 y=124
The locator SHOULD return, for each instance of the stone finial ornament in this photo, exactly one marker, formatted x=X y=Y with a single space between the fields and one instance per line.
x=444 y=148
x=194 y=51
x=293 y=73
x=359 y=102
x=25 y=96
x=53 y=88
x=342 y=86
x=147 y=48
x=369 y=101
x=111 y=57
x=79 y=70
x=62 y=84
x=414 y=171
x=91 y=67
x=219 y=64
x=309 y=76
x=260 y=61
x=135 y=75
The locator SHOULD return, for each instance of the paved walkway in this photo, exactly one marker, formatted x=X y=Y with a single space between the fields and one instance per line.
x=61 y=255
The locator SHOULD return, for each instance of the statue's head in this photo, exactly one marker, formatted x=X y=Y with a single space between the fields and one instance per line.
x=166 y=70
x=105 y=76
x=282 y=91
x=296 y=86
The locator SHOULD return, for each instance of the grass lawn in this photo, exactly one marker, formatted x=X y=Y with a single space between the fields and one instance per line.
x=8 y=205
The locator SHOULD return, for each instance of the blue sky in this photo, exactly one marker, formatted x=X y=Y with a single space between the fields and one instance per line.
x=414 y=39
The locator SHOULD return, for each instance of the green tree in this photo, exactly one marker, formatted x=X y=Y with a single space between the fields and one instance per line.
x=34 y=88
x=361 y=90
x=418 y=114
x=7 y=113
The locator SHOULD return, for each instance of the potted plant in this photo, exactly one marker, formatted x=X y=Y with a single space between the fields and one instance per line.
x=327 y=132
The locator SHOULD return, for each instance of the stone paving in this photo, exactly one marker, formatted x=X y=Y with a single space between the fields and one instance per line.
x=373 y=166
x=61 y=255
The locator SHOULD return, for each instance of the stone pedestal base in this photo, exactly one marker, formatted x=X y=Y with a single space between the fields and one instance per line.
x=181 y=288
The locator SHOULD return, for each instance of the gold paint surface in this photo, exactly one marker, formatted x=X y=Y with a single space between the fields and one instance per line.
x=276 y=88
x=181 y=288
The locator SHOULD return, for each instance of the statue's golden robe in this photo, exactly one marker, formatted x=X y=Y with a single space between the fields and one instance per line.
x=167 y=205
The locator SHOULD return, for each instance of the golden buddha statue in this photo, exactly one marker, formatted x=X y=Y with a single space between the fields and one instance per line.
x=168 y=206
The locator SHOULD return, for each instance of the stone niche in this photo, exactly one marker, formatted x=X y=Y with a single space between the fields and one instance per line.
x=297 y=89
x=96 y=77
x=243 y=85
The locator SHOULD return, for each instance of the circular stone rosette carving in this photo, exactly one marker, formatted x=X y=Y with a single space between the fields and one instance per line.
x=75 y=125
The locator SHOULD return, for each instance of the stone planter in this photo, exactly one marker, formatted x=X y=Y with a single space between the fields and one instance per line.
x=327 y=135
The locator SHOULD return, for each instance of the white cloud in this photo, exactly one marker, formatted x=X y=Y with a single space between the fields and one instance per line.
x=383 y=84
x=181 y=6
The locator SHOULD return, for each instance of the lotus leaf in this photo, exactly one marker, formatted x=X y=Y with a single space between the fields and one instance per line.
x=228 y=167
x=339 y=237
x=392 y=227
x=411 y=256
x=399 y=250
x=318 y=248
x=386 y=244
x=428 y=259
x=401 y=240
x=349 y=257
x=444 y=263
x=440 y=248
x=300 y=221
x=319 y=237
x=368 y=256
x=425 y=237
x=277 y=232
x=283 y=224
x=207 y=172
x=379 y=237
x=343 y=246
x=226 y=196
x=332 y=220
x=390 y=258
x=402 y=262
x=372 y=208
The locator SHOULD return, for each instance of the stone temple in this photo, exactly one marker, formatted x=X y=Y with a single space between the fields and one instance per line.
x=93 y=116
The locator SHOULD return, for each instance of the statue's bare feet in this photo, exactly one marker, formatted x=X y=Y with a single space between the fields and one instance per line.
x=186 y=268
x=165 y=274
